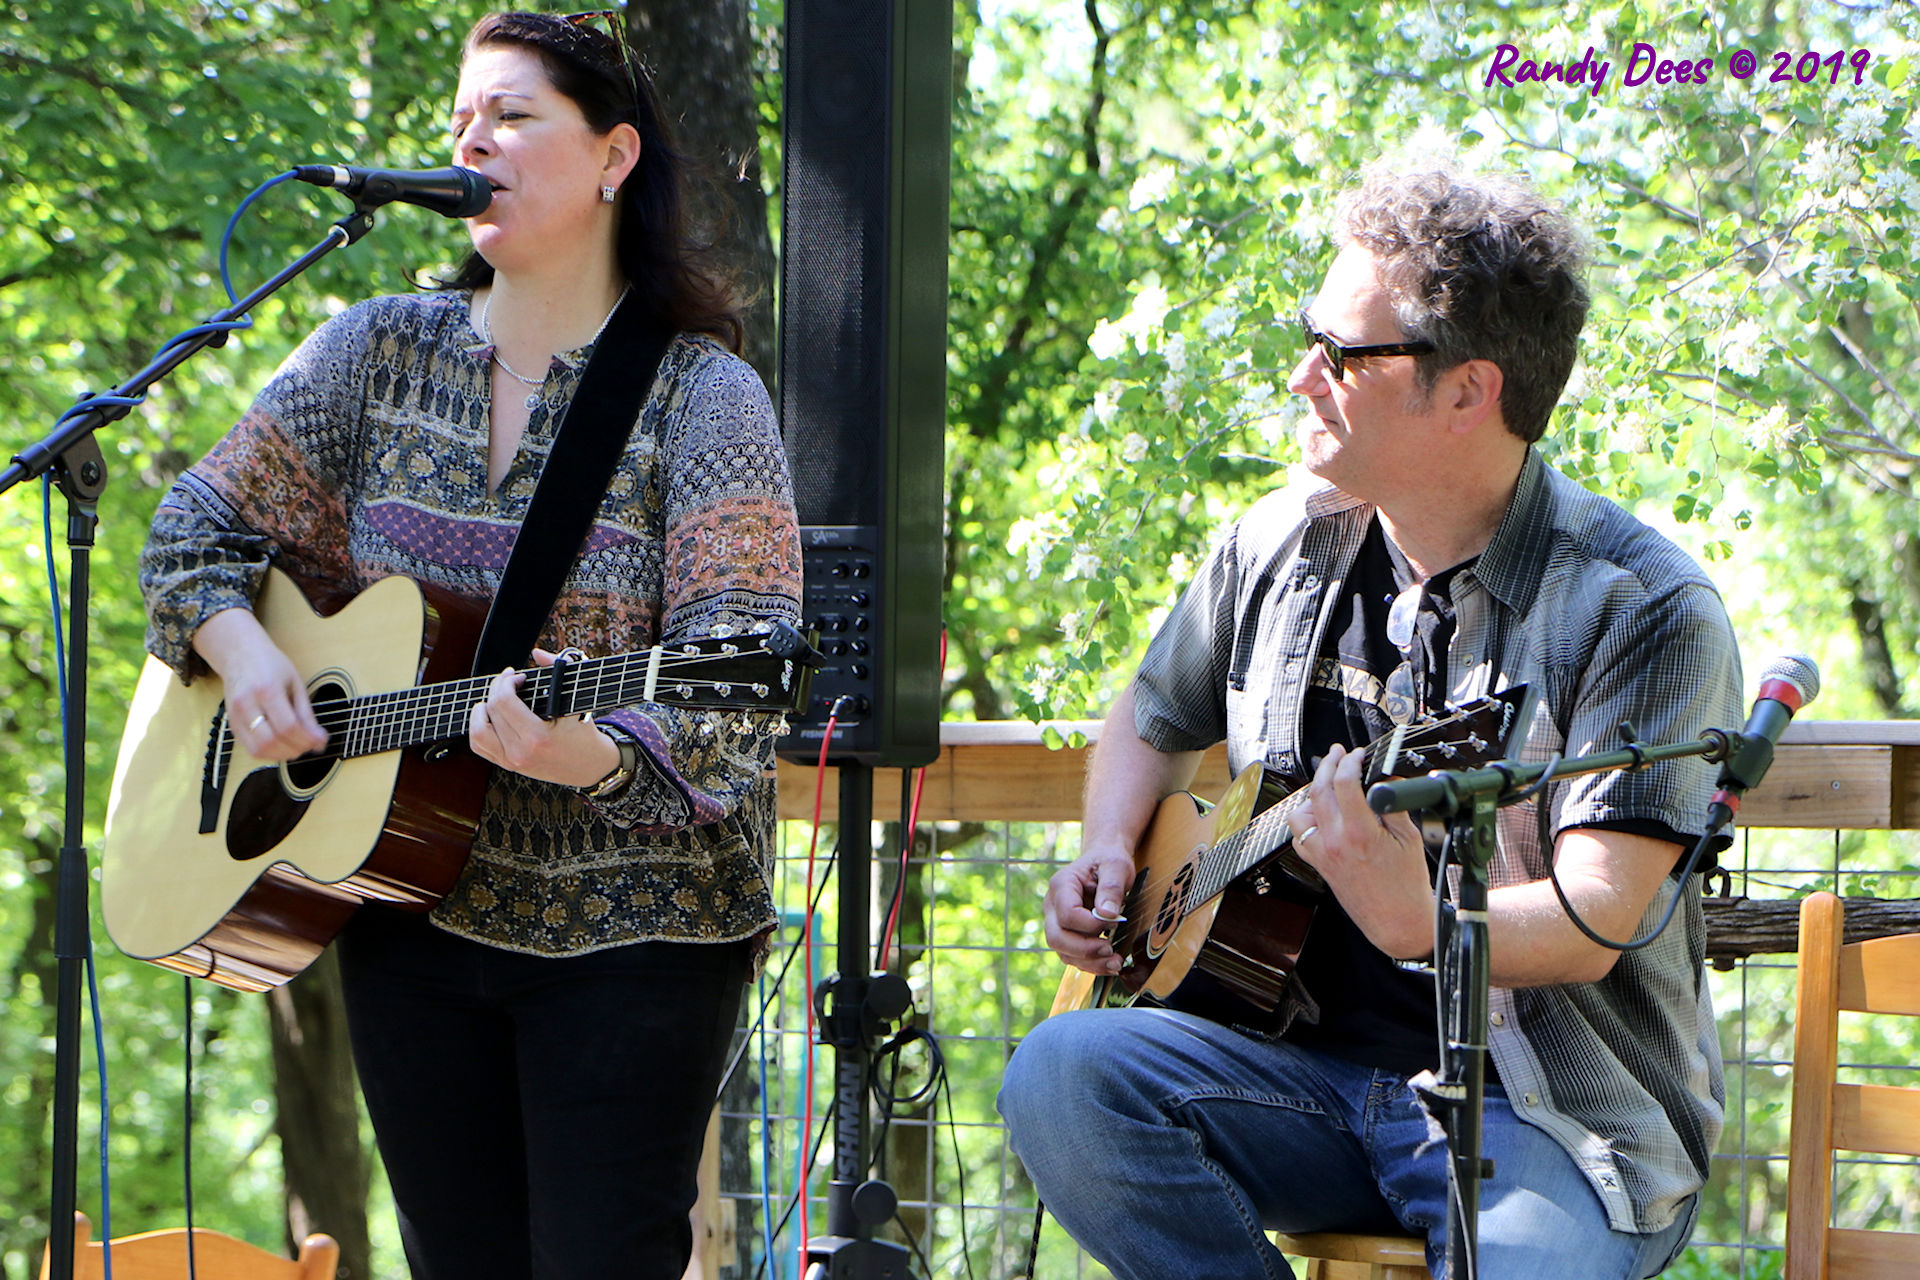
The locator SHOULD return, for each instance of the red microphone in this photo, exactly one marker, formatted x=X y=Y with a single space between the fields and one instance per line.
x=1788 y=683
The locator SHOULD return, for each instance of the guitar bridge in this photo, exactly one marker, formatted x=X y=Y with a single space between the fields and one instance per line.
x=213 y=771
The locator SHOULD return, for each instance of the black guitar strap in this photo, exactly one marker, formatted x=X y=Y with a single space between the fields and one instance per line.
x=587 y=444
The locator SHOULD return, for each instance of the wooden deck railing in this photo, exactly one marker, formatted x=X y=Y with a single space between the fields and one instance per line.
x=1839 y=774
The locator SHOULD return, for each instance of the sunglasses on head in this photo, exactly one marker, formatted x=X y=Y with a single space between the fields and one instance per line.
x=1337 y=355
x=613 y=22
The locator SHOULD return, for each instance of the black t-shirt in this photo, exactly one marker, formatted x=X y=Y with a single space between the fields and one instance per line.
x=1372 y=1009
x=1383 y=662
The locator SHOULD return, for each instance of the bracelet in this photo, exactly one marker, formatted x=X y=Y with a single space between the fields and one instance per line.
x=622 y=772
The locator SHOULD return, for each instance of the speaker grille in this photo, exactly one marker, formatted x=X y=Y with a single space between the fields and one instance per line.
x=862 y=358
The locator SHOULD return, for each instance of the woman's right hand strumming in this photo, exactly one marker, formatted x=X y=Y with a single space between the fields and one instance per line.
x=267 y=705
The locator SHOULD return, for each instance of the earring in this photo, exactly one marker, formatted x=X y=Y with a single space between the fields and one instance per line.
x=607 y=194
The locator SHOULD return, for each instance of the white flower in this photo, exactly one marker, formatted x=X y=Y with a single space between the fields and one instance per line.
x=1084 y=564
x=1219 y=322
x=1173 y=392
x=1036 y=536
x=1769 y=432
x=1860 y=123
x=1912 y=131
x=1109 y=221
x=1826 y=273
x=1254 y=399
x=1826 y=166
x=1175 y=351
x=1134 y=447
x=1145 y=316
x=1630 y=433
x=1738 y=349
x=1896 y=186
x=1106 y=406
x=1151 y=187
x=1107 y=340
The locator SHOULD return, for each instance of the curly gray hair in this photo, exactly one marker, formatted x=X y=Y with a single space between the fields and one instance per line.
x=1482 y=267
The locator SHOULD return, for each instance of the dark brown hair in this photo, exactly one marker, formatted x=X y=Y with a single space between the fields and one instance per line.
x=674 y=276
x=1484 y=269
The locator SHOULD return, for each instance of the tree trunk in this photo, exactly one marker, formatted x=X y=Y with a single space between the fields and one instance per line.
x=318 y=1116
x=1742 y=927
x=35 y=968
x=702 y=58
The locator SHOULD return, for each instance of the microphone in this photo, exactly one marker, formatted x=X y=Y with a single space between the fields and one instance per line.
x=1788 y=683
x=457 y=193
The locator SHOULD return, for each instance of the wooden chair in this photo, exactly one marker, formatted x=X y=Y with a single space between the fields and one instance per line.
x=1332 y=1256
x=162 y=1255
x=1878 y=976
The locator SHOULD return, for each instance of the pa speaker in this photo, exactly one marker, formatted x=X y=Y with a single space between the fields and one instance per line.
x=863 y=305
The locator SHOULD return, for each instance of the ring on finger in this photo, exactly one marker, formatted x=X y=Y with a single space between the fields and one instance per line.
x=257 y=721
x=1302 y=837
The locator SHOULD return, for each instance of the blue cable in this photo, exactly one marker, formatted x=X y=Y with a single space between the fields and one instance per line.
x=766 y=1129
x=100 y=1061
x=88 y=404
x=93 y=985
x=53 y=594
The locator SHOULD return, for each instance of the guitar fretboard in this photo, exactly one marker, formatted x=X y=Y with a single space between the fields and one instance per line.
x=369 y=724
x=1453 y=737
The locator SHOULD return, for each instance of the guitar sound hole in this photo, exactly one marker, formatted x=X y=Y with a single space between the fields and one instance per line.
x=1167 y=917
x=308 y=772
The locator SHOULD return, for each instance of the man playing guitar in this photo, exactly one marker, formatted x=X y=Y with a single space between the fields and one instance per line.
x=1432 y=557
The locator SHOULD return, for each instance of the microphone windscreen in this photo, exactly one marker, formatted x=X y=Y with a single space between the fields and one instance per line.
x=1795 y=669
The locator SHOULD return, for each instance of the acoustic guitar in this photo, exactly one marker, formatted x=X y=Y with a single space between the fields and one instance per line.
x=240 y=871
x=1220 y=905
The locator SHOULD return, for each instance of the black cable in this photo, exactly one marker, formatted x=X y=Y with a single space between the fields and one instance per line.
x=1033 y=1241
x=1553 y=877
x=797 y=948
x=959 y=1169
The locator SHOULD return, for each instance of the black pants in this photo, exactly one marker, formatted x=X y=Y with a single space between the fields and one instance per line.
x=540 y=1118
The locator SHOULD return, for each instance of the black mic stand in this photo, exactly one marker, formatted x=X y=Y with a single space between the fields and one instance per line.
x=856 y=1008
x=73 y=455
x=1470 y=799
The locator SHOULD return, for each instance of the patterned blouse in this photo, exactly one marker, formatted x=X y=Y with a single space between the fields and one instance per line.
x=366 y=456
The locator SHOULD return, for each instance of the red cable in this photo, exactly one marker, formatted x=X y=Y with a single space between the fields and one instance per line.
x=806 y=925
x=906 y=841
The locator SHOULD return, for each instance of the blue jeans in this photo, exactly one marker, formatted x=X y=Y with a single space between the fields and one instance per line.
x=1154 y=1136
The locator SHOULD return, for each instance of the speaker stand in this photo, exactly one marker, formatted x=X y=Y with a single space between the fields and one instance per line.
x=856 y=1009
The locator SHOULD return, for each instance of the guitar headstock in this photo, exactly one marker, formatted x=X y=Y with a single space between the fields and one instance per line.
x=769 y=670
x=1466 y=737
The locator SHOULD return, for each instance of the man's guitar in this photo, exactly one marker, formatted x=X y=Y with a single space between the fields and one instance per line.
x=228 y=868
x=1220 y=904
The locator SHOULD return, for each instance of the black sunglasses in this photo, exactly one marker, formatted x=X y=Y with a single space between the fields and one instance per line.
x=1337 y=355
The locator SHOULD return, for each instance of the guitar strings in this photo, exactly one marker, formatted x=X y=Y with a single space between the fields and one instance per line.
x=1217 y=872
x=365 y=724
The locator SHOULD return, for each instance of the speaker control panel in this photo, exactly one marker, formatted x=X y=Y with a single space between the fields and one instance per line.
x=841 y=599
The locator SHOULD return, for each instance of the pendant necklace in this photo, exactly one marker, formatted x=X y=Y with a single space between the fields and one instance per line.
x=486 y=332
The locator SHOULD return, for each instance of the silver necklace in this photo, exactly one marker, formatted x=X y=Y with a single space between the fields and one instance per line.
x=486 y=331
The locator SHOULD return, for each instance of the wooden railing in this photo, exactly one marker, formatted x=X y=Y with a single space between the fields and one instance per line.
x=1859 y=775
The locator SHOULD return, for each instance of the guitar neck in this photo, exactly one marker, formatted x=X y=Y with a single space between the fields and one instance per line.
x=1272 y=829
x=426 y=714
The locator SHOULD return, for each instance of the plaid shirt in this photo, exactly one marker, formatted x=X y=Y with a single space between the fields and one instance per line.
x=1607 y=621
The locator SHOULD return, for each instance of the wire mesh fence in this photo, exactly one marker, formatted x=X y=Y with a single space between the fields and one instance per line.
x=968 y=939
